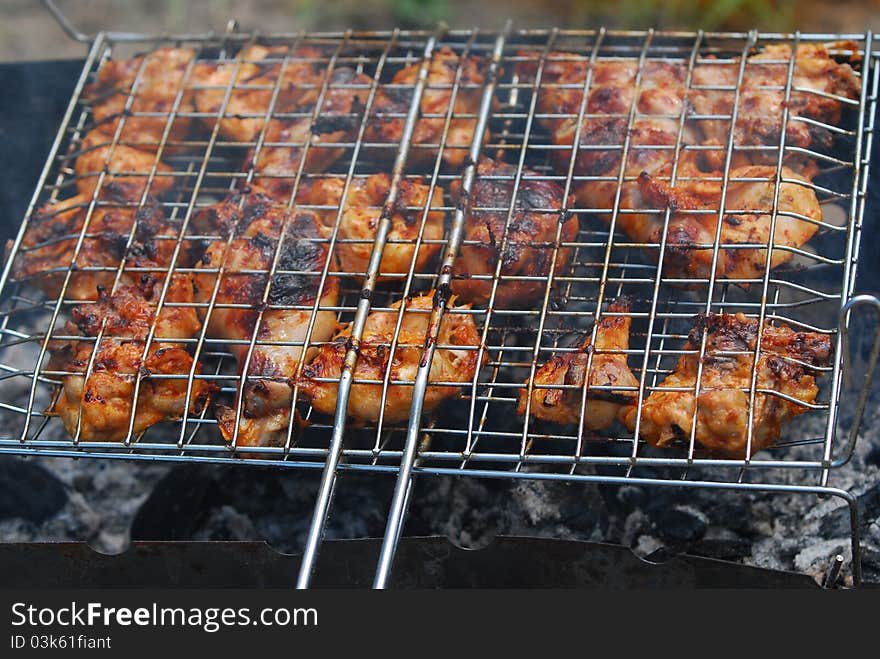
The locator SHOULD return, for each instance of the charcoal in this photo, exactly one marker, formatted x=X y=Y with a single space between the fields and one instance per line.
x=838 y=524
x=679 y=525
x=871 y=565
x=873 y=457
x=28 y=491
x=176 y=506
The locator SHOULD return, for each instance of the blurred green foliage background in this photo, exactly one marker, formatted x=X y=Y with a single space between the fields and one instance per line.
x=707 y=14
x=27 y=31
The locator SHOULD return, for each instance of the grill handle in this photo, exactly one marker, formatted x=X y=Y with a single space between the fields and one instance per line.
x=403 y=486
x=71 y=30
x=843 y=325
x=68 y=27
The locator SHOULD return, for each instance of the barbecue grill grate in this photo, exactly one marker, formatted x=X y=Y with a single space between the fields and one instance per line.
x=479 y=434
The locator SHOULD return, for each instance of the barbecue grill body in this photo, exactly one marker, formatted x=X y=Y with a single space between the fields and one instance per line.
x=479 y=435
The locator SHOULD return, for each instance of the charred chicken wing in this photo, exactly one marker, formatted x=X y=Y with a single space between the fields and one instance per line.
x=526 y=245
x=100 y=400
x=249 y=81
x=607 y=368
x=392 y=103
x=455 y=360
x=718 y=415
x=278 y=161
x=153 y=82
x=816 y=80
x=661 y=103
x=130 y=170
x=693 y=224
x=359 y=221
x=143 y=236
x=239 y=269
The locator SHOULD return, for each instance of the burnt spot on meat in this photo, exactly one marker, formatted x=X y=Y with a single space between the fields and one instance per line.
x=333 y=123
x=400 y=97
x=291 y=286
x=411 y=216
x=255 y=206
x=265 y=244
x=599 y=132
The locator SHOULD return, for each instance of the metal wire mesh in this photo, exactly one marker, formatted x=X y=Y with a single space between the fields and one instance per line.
x=480 y=432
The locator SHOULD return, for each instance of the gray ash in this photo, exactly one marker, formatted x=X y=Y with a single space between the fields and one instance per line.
x=108 y=503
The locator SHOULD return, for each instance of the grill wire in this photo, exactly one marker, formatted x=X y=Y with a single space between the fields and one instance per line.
x=480 y=433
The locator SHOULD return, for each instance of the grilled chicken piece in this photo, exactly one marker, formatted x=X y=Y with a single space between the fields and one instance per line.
x=255 y=223
x=531 y=236
x=785 y=365
x=816 y=80
x=337 y=122
x=252 y=81
x=116 y=229
x=661 y=102
x=603 y=130
x=392 y=104
x=154 y=82
x=450 y=364
x=659 y=106
x=360 y=217
x=102 y=402
x=608 y=368
x=127 y=168
x=690 y=236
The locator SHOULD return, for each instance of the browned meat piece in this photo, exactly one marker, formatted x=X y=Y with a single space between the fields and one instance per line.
x=531 y=239
x=256 y=224
x=360 y=220
x=102 y=404
x=252 y=81
x=608 y=368
x=655 y=129
x=277 y=166
x=392 y=103
x=817 y=78
x=128 y=169
x=690 y=236
x=718 y=416
x=154 y=81
x=116 y=230
x=603 y=130
x=450 y=363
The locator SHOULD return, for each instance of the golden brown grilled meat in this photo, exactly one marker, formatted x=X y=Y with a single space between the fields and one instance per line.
x=603 y=130
x=277 y=166
x=392 y=103
x=816 y=77
x=607 y=368
x=252 y=81
x=450 y=363
x=721 y=411
x=153 y=82
x=116 y=230
x=102 y=404
x=127 y=168
x=690 y=235
x=255 y=223
x=530 y=243
x=360 y=216
x=661 y=102
x=659 y=106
